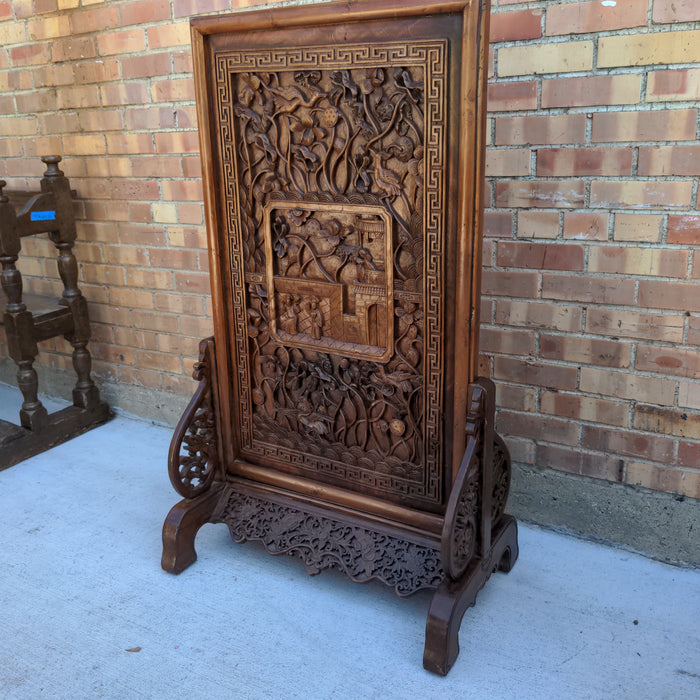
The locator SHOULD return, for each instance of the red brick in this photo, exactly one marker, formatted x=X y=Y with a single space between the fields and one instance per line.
x=588 y=17
x=683 y=230
x=129 y=41
x=182 y=62
x=694 y=336
x=531 y=373
x=689 y=455
x=638 y=261
x=554 y=129
x=669 y=295
x=156 y=166
x=94 y=20
x=591 y=351
x=666 y=11
x=185 y=8
x=506 y=97
x=538 y=427
x=543 y=193
x=510 y=284
x=498 y=224
x=172 y=90
x=601 y=290
x=507 y=341
x=591 y=90
x=670 y=421
x=576 y=461
x=640 y=193
x=553 y=162
x=538 y=224
x=653 y=125
x=634 y=324
x=96 y=71
x=671 y=85
x=129 y=143
x=152 y=64
x=585 y=408
x=658 y=449
x=586 y=226
x=30 y=54
x=547 y=256
x=144 y=11
x=515 y=26
x=535 y=315
x=681 y=362
x=669 y=160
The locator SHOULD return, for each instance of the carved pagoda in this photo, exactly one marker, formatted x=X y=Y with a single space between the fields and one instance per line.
x=339 y=416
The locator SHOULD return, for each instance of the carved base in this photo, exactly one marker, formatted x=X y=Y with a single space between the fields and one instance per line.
x=453 y=598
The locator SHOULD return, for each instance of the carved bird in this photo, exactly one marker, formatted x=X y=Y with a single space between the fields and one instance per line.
x=288 y=97
x=387 y=180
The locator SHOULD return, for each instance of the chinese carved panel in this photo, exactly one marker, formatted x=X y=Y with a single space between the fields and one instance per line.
x=333 y=188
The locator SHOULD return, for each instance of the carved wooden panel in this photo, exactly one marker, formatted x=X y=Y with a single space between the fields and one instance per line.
x=333 y=170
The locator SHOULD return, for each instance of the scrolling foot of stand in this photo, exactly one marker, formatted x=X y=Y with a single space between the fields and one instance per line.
x=180 y=529
x=453 y=598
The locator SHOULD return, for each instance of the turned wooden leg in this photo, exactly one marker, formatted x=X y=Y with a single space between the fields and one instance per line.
x=85 y=393
x=32 y=415
x=452 y=598
x=180 y=529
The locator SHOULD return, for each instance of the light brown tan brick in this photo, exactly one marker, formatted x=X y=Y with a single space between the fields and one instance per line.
x=516 y=396
x=585 y=408
x=638 y=261
x=623 y=442
x=638 y=227
x=507 y=341
x=538 y=224
x=585 y=288
x=559 y=57
x=649 y=49
x=664 y=478
x=635 y=324
x=558 y=317
x=538 y=427
x=640 y=193
x=627 y=385
x=689 y=395
x=576 y=461
x=542 y=193
x=580 y=350
x=507 y=162
x=670 y=421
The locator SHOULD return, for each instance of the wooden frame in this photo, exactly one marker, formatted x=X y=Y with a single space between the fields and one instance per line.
x=343 y=161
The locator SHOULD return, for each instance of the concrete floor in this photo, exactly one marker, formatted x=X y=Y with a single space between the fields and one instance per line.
x=87 y=611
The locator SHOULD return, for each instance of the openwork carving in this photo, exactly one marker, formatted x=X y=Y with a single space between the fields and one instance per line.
x=193 y=460
x=324 y=543
x=500 y=479
x=333 y=163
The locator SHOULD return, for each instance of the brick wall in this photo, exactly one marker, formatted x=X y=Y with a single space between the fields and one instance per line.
x=591 y=311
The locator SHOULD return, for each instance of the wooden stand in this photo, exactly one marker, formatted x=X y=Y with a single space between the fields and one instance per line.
x=343 y=150
x=30 y=318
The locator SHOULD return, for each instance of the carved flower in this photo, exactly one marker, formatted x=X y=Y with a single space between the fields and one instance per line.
x=362 y=161
x=299 y=216
x=330 y=116
x=248 y=86
x=307 y=157
x=308 y=78
x=384 y=110
x=402 y=150
x=307 y=129
x=374 y=79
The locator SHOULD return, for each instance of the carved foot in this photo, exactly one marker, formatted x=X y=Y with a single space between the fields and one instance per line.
x=453 y=598
x=180 y=529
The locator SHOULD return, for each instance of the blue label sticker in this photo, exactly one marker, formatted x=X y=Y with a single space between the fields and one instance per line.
x=43 y=216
